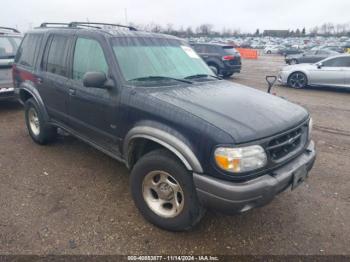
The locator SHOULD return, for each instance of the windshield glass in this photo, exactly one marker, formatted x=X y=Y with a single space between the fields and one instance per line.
x=9 y=46
x=142 y=57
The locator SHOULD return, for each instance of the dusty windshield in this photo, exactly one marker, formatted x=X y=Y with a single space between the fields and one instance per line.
x=147 y=58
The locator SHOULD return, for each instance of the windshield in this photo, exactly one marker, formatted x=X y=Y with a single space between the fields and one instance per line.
x=9 y=46
x=142 y=57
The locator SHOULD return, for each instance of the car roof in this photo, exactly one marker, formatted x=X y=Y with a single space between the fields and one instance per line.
x=103 y=32
x=212 y=44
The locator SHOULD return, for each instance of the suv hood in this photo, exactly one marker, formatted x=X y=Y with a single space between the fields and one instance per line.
x=245 y=113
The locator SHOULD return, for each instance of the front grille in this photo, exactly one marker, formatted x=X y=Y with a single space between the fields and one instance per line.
x=286 y=144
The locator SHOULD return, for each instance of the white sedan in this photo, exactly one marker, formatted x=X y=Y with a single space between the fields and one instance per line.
x=333 y=71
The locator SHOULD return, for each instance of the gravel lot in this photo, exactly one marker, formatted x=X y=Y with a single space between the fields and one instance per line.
x=68 y=198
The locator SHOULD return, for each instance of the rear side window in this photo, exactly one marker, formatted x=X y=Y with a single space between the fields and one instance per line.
x=88 y=57
x=55 y=60
x=28 y=51
x=198 y=48
x=210 y=49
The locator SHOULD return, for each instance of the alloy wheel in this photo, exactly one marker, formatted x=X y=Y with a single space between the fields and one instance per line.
x=34 y=121
x=298 y=80
x=163 y=194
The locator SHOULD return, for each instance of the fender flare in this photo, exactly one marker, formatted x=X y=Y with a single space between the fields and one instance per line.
x=169 y=141
x=26 y=87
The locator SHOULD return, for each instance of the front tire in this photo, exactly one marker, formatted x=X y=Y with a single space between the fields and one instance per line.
x=297 y=80
x=38 y=129
x=163 y=191
x=227 y=75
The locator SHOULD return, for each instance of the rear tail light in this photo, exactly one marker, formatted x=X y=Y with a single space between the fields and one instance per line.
x=228 y=57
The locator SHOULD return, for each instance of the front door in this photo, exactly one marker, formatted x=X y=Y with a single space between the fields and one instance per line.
x=331 y=73
x=92 y=111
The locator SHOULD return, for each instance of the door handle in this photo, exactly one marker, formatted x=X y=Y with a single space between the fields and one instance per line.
x=72 y=92
x=39 y=80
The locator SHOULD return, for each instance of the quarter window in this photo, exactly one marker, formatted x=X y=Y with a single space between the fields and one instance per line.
x=88 y=57
x=28 y=50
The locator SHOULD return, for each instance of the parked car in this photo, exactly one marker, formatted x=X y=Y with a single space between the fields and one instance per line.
x=311 y=56
x=272 y=49
x=289 y=51
x=10 y=39
x=333 y=71
x=338 y=49
x=190 y=139
x=222 y=59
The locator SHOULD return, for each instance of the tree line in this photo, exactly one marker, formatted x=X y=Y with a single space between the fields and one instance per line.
x=208 y=30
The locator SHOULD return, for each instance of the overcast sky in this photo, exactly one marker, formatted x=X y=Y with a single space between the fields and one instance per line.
x=245 y=15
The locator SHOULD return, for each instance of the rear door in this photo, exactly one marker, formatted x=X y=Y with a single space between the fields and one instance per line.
x=346 y=68
x=53 y=76
x=92 y=111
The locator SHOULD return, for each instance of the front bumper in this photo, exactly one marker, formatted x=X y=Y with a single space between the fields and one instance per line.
x=282 y=77
x=230 y=197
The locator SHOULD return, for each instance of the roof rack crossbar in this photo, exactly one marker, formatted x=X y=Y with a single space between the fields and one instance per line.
x=10 y=29
x=75 y=24
x=43 y=25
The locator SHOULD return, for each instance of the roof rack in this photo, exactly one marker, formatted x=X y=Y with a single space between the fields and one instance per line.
x=66 y=25
x=76 y=24
x=43 y=25
x=10 y=29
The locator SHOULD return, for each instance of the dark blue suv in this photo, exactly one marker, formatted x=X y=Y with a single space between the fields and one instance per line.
x=191 y=140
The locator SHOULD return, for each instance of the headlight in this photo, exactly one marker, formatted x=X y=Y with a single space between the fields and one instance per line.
x=310 y=127
x=238 y=160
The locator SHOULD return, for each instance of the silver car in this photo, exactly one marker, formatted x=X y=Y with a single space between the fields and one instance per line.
x=333 y=71
x=10 y=40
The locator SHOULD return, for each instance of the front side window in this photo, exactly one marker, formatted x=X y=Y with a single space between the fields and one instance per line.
x=56 y=60
x=88 y=57
x=337 y=62
x=142 y=57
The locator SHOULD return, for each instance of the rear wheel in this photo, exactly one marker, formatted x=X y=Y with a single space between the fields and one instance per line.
x=214 y=68
x=38 y=129
x=163 y=191
x=227 y=75
x=297 y=80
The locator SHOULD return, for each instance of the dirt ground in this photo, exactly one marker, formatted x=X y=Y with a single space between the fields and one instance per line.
x=68 y=198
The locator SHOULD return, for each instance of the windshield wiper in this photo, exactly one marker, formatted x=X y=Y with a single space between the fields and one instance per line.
x=202 y=75
x=145 y=78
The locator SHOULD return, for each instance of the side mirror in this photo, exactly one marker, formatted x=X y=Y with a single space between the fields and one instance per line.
x=95 y=80
x=319 y=65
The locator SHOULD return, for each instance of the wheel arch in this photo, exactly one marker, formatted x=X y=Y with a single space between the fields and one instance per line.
x=27 y=91
x=299 y=71
x=145 y=138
